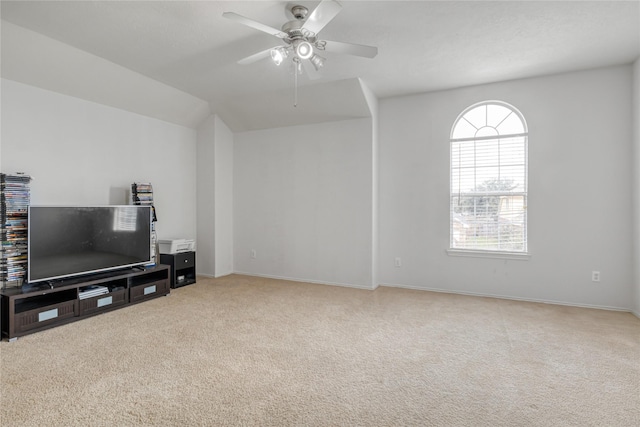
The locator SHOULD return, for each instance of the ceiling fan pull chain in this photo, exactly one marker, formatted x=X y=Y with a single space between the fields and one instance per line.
x=295 y=85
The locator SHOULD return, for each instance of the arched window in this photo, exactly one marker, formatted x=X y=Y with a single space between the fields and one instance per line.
x=488 y=201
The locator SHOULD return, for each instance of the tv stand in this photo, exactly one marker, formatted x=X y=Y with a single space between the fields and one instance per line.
x=35 y=308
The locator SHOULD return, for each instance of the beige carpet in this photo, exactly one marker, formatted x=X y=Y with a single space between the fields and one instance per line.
x=257 y=352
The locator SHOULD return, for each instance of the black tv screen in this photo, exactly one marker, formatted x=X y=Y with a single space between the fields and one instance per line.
x=67 y=241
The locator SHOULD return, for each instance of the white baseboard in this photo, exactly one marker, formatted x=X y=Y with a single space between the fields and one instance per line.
x=446 y=291
x=226 y=273
x=507 y=297
x=214 y=276
x=297 y=279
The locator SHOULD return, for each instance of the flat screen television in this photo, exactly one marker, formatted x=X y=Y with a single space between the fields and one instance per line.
x=67 y=241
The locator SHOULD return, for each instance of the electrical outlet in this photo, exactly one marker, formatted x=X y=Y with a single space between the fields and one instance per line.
x=595 y=276
x=253 y=254
x=398 y=262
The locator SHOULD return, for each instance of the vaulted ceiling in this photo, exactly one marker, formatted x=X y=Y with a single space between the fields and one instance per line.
x=423 y=46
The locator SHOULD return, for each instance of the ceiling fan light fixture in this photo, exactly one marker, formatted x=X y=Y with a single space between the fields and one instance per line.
x=278 y=55
x=317 y=61
x=304 y=50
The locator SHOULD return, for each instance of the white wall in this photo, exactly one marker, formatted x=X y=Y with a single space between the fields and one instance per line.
x=636 y=184
x=372 y=103
x=223 y=180
x=80 y=153
x=304 y=197
x=214 y=198
x=579 y=186
x=303 y=202
x=206 y=202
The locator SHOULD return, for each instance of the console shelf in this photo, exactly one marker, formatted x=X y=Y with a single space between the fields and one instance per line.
x=183 y=268
x=25 y=312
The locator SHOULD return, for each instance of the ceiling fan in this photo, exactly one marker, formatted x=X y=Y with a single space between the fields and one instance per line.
x=300 y=37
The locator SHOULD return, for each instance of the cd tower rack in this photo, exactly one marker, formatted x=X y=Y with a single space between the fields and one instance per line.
x=142 y=194
x=14 y=210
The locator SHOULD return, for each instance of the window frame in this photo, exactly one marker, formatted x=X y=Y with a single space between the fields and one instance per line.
x=482 y=252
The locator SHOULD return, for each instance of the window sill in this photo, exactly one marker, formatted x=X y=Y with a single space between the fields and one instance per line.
x=522 y=256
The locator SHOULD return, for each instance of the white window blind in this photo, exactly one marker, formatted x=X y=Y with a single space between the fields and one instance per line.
x=488 y=205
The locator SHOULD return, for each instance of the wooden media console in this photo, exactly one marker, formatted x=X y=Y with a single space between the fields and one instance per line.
x=46 y=306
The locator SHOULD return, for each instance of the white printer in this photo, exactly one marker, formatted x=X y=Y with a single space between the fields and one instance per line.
x=176 y=246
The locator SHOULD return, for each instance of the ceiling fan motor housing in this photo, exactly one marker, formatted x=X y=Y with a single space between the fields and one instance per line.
x=299 y=12
x=295 y=32
x=300 y=35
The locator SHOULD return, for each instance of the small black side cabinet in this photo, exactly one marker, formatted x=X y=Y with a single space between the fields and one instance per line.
x=183 y=268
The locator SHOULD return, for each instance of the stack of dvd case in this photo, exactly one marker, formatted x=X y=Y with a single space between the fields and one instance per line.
x=142 y=194
x=14 y=208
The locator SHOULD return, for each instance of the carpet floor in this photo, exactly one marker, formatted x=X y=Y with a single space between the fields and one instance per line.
x=247 y=351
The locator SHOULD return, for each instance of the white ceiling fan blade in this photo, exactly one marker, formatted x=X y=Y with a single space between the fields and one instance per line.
x=322 y=15
x=254 y=24
x=351 y=49
x=256 y=57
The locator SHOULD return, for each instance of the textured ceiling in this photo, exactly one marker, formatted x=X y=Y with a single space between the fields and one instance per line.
x=423 y=46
